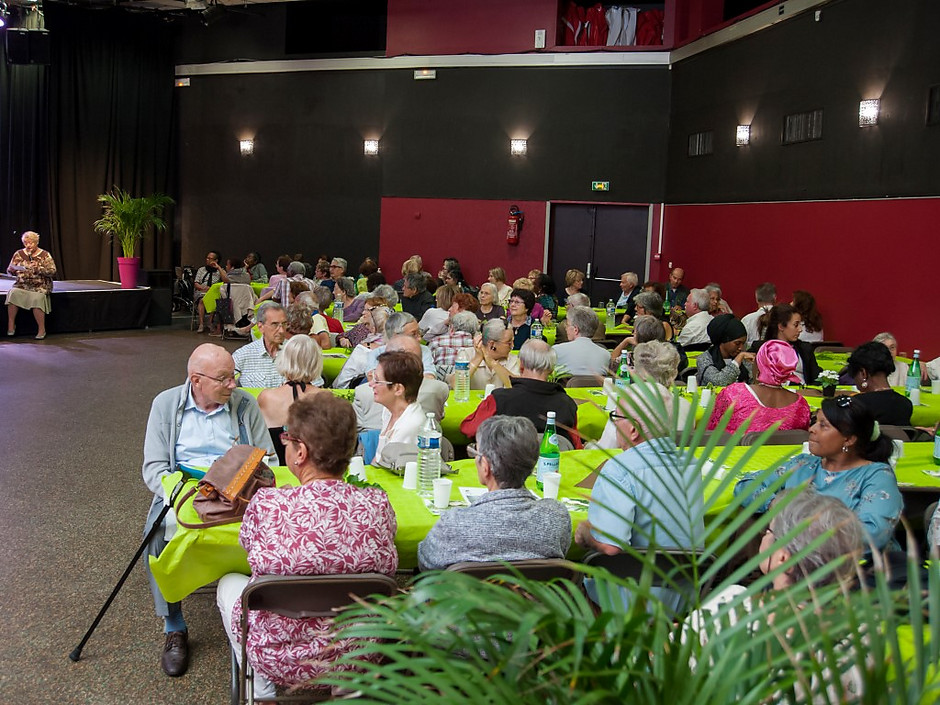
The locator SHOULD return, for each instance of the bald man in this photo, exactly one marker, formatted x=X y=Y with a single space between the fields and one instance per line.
x=194 y=423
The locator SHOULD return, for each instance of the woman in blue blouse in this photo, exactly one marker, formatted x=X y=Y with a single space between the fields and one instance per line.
x=848 y=460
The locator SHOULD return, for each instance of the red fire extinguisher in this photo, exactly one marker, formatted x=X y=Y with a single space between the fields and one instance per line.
x=516 y=219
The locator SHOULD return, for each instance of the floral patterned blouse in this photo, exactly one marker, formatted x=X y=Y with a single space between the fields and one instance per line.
x=40 y=267
x=322 y=528
x=748 y=406
x=871 y=491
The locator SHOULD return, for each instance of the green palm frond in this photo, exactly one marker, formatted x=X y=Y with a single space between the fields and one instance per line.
x=128 y=219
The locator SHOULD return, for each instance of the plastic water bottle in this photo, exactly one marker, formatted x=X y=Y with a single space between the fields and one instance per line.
x=611 y=314
x=535 y=330
x=549 y=459
x=913 y=375
x=429 y=456
x=338 y=310
x=623 y=371
x=462 y=375
x=936 y=445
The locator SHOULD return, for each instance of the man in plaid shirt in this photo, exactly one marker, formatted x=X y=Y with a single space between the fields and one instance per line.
x=444 y=348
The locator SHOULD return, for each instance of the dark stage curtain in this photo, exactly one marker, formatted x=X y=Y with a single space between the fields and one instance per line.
x=108 y=102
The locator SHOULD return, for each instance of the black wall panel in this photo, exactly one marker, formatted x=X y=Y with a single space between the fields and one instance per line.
x=858 y=49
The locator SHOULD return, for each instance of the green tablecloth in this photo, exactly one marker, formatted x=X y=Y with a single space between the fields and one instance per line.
x=212 y=296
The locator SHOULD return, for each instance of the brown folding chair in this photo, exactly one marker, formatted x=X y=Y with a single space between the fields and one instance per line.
x=790 y=437
x=584 y=381
x=299 y=597
x=535 y=569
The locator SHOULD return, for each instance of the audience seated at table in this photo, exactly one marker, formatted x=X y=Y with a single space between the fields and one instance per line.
x=338 y=267
x=366 y=269
x=365 y=328
x=898 y=378
x=323 y=527
x=356 y=366
x=784 y=322
x=805 y=304
x=869 y=366
x=256 y=268
x=675 y=293
x=832 y=537
x=434 y=321
x=444 y=348
x=766 y=296
x=695 y=330
x=646 y=328
x=716 y=304
x=395 y=383
x=489 y=308
x=726 y=361
x=321 y=274
x=536 y=312
x=531 y=395
x=235 y=272
x=520 y=308
x=324 y=297
x=207 y=275
x=432 y=394
x=655 y=362
x=454 y=277
x=649 y=303
x=300 y=364
x=574 y=280
x=648 y=495
x=491 y=362
x=299 y=320
x=344 y=291
x=543 y=286
x=416 y=299
x=256 y=359
x=848 y=459
x=581 y=355
x=765 y=402
x=412 y=265
x=278 y=288
x=497 y=277
x=507 y=523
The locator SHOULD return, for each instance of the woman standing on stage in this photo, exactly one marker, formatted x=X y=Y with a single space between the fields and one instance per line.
x=33 y=269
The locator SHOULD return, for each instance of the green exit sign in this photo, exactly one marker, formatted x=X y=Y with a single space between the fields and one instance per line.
x=600 y=186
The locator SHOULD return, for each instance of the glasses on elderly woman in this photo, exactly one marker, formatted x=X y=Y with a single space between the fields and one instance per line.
x=287 y=438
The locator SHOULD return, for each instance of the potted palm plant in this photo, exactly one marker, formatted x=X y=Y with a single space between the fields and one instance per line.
x=129 y=219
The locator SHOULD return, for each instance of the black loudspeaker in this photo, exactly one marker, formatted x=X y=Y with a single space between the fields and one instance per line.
x=27 y=46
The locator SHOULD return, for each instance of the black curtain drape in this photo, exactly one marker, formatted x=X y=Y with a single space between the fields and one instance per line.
x=101 y=115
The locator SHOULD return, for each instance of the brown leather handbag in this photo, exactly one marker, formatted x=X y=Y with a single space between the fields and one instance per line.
x=224 y=493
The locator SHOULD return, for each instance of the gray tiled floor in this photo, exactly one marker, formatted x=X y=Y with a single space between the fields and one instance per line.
x=73 y=409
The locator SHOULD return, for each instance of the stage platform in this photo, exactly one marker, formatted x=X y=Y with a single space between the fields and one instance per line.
x=87 y=305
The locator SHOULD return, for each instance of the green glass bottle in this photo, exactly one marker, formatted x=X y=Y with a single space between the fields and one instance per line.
x=549 y=459
x=623 y=371
x=913 y=375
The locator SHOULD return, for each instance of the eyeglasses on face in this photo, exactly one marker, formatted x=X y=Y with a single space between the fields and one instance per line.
x=275 y=324
x=287 y=438
x=615 y=416
x=224 y=379
x=381 y=381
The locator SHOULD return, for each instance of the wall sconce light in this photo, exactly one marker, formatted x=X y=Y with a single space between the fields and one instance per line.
x=370 y=147
x=246 y=147
x=868 y=112
x=518 y=148
x=743 y=136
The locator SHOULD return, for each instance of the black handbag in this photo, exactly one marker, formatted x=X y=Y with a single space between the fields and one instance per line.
x=225 y=309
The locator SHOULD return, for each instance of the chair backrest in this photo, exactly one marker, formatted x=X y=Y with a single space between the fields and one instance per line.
x=447 y=450
x=792 y=437
x=683 y=376
x=899 y=433
x=535 y=569
x=564 y=443
x=833 y=348
x=723 y=439
x=301 y=596
x=584 y=381
x=674 y=567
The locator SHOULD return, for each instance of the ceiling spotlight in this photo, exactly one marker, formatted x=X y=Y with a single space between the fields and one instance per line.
x=868 y=112
x=518 y=148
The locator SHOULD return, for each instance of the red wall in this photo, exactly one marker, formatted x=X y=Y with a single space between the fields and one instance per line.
x=417 y=27
x=472 y=231
x=868 y=263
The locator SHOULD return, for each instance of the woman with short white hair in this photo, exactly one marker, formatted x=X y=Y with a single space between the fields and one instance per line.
x=300 y=363
x=489 y=304
x=33 y=269
x=899 y=377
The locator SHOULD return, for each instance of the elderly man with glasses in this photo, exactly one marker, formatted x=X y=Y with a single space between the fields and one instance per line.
x=195 y=424
x=256 y=359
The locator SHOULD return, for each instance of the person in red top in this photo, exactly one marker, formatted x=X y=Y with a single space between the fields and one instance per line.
x=531 y=395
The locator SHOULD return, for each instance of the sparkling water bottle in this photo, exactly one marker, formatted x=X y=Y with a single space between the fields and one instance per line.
x=429 y=456
x=462 y=375
x=548 y=452
x=611 y=314
x=913 y=375
x=623 y=371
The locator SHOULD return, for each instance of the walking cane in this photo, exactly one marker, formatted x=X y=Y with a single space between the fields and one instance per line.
x=77 y=651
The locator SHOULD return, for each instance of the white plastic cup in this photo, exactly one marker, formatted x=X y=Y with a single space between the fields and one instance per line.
x=442 y=487
x=705 y=397
x=357 y=468
x=551 y=481
x=805 y=447
x=691 y=384
x=915 y=396
x=411 y=476
x=611 y=404
x=935 y=386
x=897 y=452
x=488 y=390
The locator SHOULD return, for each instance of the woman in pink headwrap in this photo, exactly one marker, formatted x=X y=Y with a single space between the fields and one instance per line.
x=765 y=402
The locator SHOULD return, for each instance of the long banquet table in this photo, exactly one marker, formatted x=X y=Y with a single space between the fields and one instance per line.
x=197 y=557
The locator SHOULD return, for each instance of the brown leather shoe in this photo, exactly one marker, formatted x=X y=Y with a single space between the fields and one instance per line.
x=175 y=658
